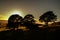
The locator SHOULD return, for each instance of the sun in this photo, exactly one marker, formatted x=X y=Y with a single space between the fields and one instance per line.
x=16 y=12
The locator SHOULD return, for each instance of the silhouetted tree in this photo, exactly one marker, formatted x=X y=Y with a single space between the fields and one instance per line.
x=13 y=21
x=33 y=31
x=29 y=18
x=49 y=16
x=20 y=20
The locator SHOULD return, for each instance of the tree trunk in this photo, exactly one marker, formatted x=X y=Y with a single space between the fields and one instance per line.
x=46 y=24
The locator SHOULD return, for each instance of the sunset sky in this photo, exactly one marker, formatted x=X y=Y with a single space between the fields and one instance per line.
x=35 y=7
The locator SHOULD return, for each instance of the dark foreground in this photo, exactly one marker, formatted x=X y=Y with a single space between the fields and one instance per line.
x=48 y=33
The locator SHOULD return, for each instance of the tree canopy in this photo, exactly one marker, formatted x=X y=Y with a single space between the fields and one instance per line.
x=13 y=21
x=48 y=16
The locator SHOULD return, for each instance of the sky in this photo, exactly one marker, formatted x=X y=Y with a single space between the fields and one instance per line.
x=34 y=7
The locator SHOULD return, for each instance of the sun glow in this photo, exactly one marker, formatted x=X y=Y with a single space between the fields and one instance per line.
x=11 y=12
x=16 y=12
